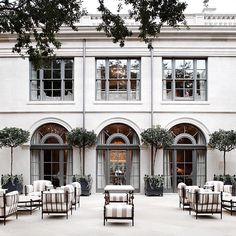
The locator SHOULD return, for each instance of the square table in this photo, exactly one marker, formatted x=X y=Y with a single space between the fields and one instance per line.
x=28 y=203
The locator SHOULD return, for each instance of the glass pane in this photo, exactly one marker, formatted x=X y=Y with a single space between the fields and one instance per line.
x=201 y=64
x=47 y=74
x=57 y=64
x=68 y=84
x=47 y=84
x=168 y=74
x=134 y=65
x=101 y=65
x=188 y=64
x=167 y=64
x=56 y=74
x=68 y=74
x=117 y=69
x=201 y=74
x=189 y=74
x=69 y=63
x=117 y=167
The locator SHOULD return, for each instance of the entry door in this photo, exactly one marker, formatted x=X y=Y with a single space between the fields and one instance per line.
x=118 y=167
x=184 y=166
x=53 y=168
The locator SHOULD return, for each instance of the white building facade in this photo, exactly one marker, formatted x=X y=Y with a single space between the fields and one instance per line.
x=186 y=84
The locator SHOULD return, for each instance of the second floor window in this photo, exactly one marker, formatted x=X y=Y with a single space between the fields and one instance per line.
x=118 y=79
x=184 y=79
x=54 y=82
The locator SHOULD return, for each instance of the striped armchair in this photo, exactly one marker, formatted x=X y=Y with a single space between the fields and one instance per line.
x=56 y=201
x=205 y=202
x=119 y=206
x=183 y=193
x=37 y=187
x=8 y=204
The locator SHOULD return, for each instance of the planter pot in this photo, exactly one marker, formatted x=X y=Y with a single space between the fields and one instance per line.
x=153 y=185
x=85 y=187
x=154 y=191
x=14 y=185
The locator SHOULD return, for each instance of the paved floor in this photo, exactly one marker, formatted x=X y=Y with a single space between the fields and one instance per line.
x=154 y=216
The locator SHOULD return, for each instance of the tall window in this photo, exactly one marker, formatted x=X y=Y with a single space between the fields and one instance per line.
x=184 y=79
x=185 y=160
x=51 y=156
x=54 y=82
x=118 y=157
x=118 y=79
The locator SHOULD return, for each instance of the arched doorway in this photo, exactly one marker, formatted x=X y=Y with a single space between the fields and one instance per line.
x=118 y=157
x=51 y=156
x=185 y=160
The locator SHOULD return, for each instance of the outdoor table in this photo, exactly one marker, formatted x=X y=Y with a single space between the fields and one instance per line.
x=29 y=203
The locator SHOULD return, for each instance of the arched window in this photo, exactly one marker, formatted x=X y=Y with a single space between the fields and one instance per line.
x=118 y=157
x=51 y=156
x=185 y=160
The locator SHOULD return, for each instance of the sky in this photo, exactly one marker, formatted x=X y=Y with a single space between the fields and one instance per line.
x=194 y=6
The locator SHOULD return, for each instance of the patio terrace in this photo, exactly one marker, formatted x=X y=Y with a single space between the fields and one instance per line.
x=158 y=216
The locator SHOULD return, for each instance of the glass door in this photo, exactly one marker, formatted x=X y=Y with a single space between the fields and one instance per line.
x=184 y=166
x=117 y=167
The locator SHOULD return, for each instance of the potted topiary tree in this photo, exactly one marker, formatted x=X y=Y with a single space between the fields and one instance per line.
x=157 y=138
x=224 y=141
x=12 y=137
x=81 y=139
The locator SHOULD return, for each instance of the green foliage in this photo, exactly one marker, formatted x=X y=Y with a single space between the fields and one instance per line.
x=13 y=137
x=87 y=178
x=150 y=14
x=36 y=24
x=80 y=138
x=224 y=141
x=157 y=138
x=6 y=178
x=225 y=178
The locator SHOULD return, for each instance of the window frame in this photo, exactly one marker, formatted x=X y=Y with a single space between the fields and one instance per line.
x=173 y=80
x=105 y=95
x=39 y=78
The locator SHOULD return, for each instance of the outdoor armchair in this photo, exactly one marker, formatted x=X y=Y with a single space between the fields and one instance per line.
x=183 y=192
x=8 y=204
x=56 y=201
x=205 y=202
x=37 y=187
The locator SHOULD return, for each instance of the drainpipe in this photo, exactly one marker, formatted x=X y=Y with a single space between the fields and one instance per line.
x=151 y=57
x=84 y=74
x=84 y=79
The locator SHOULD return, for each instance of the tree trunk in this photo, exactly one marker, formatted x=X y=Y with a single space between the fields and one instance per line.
x=83 y=160
x=152 y=164
x=224 y=164
x=80 y=156
x=11 y=159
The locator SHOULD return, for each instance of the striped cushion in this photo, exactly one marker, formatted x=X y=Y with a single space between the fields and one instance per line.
x=207 y=207
x=209 y=198
x=118 y=210
x=118 y=197
x=55 y=207
x=54 y=196
x=12 y=198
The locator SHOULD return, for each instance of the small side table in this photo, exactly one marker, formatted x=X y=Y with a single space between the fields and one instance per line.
x=29 y=203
